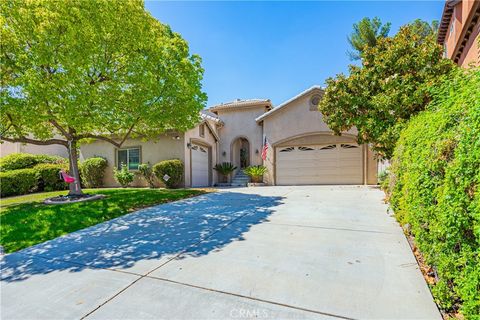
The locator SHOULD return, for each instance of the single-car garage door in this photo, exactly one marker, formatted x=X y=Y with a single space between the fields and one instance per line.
x=319 y=164
x=199 y=166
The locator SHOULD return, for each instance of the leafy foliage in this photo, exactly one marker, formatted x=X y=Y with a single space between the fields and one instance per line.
x=104 y=69
x=92 y=171
x=123 y=176
x=147 y=173
x=16 y=161
x=225 y=169
x=17 y=182
x=392 y=85
x=173 y=168
x=48 y=177
x=435 y=188
x=255 y=173
x=366 y=33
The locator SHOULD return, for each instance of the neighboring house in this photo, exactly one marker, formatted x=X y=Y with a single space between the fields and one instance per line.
x=301 y=148
x=459 y=31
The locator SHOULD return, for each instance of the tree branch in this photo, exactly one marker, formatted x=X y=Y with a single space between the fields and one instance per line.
x=94 y=136
x=36 y=142
x=61 y=129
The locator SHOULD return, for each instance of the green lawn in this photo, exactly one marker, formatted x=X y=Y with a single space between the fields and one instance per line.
x=25 y=220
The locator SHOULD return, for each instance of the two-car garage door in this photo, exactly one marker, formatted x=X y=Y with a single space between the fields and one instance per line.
x=319 y=164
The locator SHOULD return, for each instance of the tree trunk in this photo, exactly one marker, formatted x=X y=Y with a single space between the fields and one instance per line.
x=75 y=187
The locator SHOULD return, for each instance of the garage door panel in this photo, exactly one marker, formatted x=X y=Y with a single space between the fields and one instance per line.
x=200 y=168
x=319 y=164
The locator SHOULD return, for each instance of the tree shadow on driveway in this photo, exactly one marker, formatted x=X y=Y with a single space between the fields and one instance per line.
x=155 y=233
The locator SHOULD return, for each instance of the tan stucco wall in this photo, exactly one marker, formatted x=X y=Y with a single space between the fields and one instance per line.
x=7 y=148
x=240 y=123
x=295 y=124
x=164 y=148
x=209 y=140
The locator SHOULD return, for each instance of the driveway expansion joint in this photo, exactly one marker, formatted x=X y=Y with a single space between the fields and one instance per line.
x=252 y=298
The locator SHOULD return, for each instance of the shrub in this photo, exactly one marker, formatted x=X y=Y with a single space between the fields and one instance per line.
x=435 y=188
x=225 y=169
x=255 y=173
x=17 y=182
x=146 y=172
x=123 y=176
x=17 y=161
x=173 y=168
x=92 y=171
x=383 y=180
x=48 y=177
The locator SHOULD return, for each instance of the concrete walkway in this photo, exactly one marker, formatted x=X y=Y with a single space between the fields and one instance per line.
x=316 y=252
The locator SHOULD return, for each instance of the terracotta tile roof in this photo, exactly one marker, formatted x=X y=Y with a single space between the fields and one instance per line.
x=207 y=115
x=445 y=21
x=242 y=103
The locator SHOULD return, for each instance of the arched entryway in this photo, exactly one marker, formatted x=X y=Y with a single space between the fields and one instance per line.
x=240 y=152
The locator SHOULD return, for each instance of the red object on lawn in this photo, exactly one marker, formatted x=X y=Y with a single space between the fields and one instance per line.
x=66 y=177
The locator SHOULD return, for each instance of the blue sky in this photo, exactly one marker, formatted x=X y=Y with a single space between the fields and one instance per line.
x=275 y=50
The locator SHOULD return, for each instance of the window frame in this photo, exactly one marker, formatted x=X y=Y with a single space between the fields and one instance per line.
x=117 y=162
x=201 y=130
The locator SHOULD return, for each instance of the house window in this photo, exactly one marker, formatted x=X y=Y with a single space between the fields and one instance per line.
x=314 y=101
x=329 y=147
x=305 y=149
x=201 y=129
x=129 y=157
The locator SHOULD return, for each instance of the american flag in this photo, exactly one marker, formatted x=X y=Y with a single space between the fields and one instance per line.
x=264 y=149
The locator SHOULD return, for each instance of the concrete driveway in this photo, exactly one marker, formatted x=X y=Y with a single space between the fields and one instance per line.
x=314 y=252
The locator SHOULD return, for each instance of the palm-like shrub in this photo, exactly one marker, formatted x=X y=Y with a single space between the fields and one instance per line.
x=225 y=169
x=256 y=173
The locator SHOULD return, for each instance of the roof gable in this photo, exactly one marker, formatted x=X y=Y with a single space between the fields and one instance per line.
x=289 y=101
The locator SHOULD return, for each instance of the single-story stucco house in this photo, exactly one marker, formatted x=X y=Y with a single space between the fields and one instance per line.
x=301 y=148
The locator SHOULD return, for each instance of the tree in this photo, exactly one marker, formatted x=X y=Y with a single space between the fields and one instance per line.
x=100 y=69
x=366 y=33
x=392 y=85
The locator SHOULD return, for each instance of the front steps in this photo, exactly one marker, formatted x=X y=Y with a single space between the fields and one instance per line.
x=240 y=179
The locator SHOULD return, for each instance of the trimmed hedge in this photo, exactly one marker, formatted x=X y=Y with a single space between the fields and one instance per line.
x=17 y=161
x=173 y=168
x=18 y=182
x=92 y=171
x=48 y=176
x=434 y=187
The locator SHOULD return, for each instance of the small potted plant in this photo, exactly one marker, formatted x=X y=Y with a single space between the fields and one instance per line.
x=225 y=169
x=256 y=175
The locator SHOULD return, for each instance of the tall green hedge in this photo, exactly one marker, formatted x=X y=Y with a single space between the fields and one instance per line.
x=48 y=176
x=18 y=182
x=92 y=171
x=173 y=168
x=17 y=161
x=434 y=188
